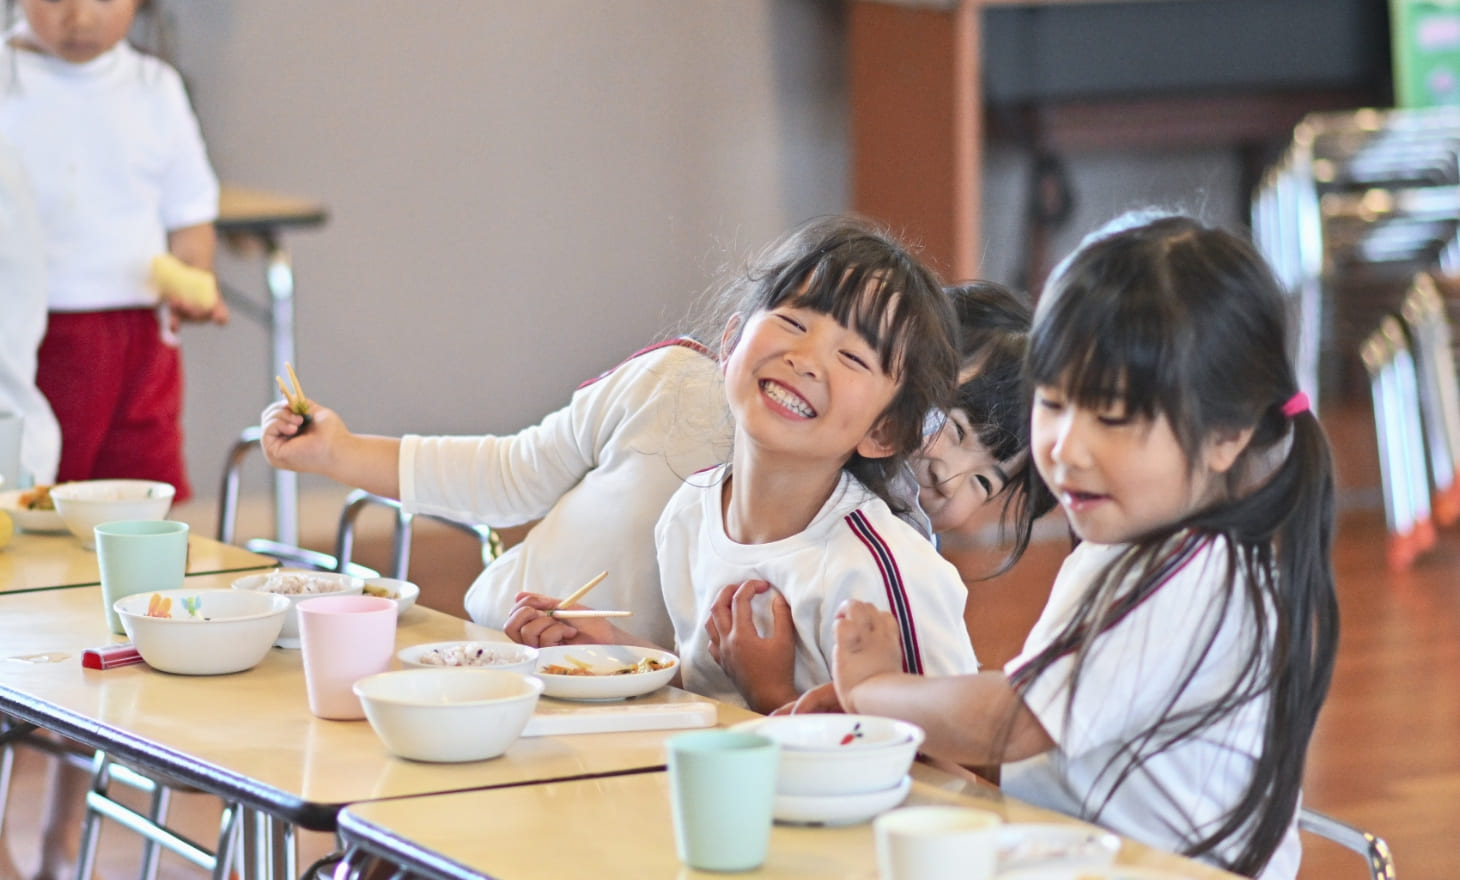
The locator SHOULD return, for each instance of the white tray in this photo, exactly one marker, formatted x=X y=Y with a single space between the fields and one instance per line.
x=679 y=710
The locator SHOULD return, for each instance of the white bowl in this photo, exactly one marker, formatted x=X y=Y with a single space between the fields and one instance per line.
x=604 y=680
x=204 y=632
x=89 y=503
x=28 y=520
x=835 y=769
x=506 y=656
x=402 y=593
x=448 y=715
x=837 y=732
x=324 y=583
x=838 y=809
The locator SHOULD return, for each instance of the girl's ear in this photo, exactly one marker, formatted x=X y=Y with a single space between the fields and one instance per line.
x=729 y=337
x=875 y=444
x=1223 y=447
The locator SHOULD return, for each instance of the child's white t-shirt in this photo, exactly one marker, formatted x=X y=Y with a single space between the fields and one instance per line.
x=855 y=548
x=116 y=160
x=1130 y=676
x=597 y=472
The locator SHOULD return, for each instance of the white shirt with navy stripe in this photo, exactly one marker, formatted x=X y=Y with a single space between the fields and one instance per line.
x=855 y=548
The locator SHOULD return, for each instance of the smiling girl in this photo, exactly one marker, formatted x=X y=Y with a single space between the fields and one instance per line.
x=839 y=344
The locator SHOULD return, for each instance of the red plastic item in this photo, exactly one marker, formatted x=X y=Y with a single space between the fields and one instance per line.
x=110 y=656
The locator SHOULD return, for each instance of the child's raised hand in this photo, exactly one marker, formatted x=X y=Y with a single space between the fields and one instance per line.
x=531 y=623
x=867 y=645
x=286 y=445
x=761 y=667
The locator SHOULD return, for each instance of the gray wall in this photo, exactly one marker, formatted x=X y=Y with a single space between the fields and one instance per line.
x=520 y=193
x=523 y=191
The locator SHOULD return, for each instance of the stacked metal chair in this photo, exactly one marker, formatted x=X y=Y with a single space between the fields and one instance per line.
x=1358 y=204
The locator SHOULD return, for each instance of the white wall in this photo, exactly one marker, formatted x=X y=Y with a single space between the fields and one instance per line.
x=520 y=191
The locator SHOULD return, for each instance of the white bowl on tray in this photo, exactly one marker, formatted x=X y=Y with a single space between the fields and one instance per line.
x=838 y=809
x=506 y=656
x=310 y=584
x=86 y=504
x=448 y=715
x=821 y=760
x=602 y=676
x=28 y=519
x=202 y=632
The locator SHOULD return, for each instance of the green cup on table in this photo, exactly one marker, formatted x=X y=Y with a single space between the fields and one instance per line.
x=722 y=786
x=139 y=556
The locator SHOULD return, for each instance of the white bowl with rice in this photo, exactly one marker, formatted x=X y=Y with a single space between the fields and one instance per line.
x=296 y=585
x=507 y=656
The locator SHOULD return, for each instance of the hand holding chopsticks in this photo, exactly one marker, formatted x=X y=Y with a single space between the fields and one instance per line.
x=563 y=612
x=298 y=403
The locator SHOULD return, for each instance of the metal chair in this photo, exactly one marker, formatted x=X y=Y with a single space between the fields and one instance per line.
x=1374 y=850
x=358 y=500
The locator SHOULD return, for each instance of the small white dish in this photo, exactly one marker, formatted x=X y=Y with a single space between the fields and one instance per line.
x=402 y=593
x=27 y=520
x=1049 y=844
x=507 y=656
x=602 y=662
x=838 y=809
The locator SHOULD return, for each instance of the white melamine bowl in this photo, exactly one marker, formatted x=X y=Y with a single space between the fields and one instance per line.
x=202 y=632
x=834 y=767
x=448 y=714
x=87 y=504
x=402 y=593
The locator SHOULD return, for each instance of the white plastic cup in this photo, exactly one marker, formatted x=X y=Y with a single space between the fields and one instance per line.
x=936 y=842
x=343 y=639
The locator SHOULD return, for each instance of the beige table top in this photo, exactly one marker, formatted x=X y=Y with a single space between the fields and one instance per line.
x=41 y=561
x=621 y=826
x=243 y=209
x=250 y=736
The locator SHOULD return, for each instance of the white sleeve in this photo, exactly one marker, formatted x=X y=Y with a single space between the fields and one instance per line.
x=513 y=479
x=924 y=593
x=189 y=186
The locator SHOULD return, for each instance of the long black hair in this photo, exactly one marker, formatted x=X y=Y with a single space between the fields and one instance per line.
x=1167 y=316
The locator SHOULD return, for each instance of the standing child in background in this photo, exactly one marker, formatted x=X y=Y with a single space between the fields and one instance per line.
x=1170 y=687
x=121 y=177
x=838 y=346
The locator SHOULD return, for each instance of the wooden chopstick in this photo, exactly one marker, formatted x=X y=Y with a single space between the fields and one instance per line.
x=582 y=591
x=588 y=612
x=297 y=401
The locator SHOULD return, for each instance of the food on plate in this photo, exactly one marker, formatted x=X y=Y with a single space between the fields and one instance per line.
x=382 y=592
x=468 y=654
x=38 y=498
x=293 y=583
x=578 y=667
x=159 y=606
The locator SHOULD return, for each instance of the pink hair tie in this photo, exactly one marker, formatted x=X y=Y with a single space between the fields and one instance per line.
x=1296 y=404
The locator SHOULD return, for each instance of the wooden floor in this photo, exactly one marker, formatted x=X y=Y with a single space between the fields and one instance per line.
x=1386 y=755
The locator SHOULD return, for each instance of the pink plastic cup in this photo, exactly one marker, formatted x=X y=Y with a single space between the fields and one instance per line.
x=343 y=639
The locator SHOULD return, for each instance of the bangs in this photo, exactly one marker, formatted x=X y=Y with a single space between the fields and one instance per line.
x=1108 y=347
x=861 y=296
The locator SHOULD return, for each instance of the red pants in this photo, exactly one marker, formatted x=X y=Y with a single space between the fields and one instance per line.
x=117 y=391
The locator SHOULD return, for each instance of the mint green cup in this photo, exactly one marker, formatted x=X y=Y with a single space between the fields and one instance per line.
x=722 y=785
x=139 y=556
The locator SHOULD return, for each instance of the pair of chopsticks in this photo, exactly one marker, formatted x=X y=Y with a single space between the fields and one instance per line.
x=297 y=401
x=563 y=613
